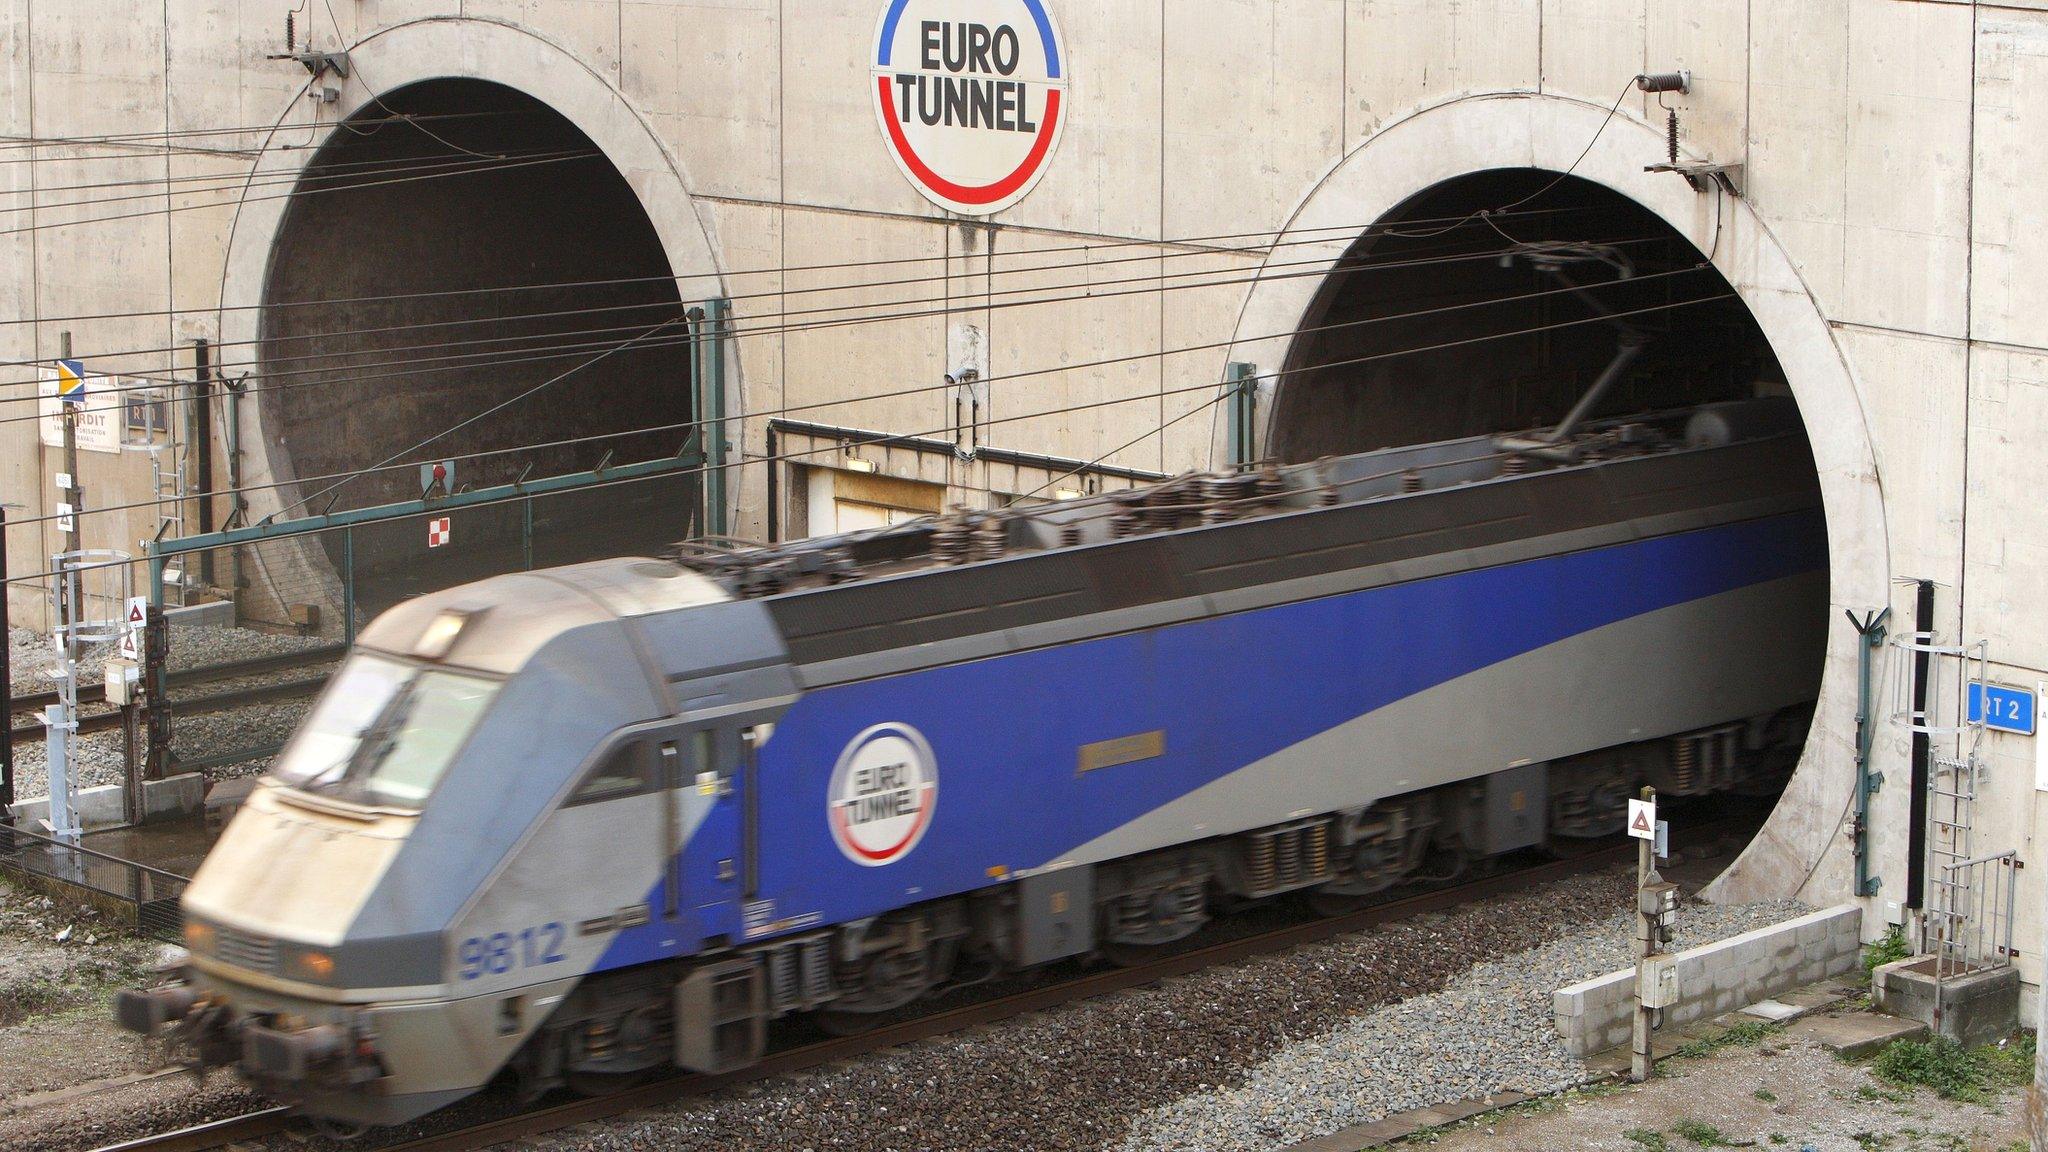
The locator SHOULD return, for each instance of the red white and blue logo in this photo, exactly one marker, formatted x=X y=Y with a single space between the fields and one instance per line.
x=970 y=95
x=882 y=794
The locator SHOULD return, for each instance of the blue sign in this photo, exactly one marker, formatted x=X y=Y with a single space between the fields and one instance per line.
x=2010 y=709
x=71 y=382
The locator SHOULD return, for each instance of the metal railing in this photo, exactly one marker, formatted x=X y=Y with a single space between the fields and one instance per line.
x=149 y=896
x=1975 y=934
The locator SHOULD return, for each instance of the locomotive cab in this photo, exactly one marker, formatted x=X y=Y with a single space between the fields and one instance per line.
x=336 y=953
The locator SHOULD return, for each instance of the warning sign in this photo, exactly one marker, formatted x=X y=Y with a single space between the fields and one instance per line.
x=131 y=637
x=1642 y=819
x=437 y=531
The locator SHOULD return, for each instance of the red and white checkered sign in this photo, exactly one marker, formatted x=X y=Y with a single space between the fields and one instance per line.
x=437 y=532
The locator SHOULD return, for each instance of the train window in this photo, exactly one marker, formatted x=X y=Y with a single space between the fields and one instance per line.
x=384 y=732
x=627 y=771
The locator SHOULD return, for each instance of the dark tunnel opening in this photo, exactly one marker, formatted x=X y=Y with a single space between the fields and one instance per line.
x=1702 y=346
x=1451 y=317
x=375 y=336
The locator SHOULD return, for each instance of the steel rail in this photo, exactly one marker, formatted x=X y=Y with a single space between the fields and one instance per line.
x=199 y=705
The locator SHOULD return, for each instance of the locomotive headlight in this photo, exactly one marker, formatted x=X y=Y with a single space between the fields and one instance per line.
x=198 y=936
x=440 y=633
x=314 y=965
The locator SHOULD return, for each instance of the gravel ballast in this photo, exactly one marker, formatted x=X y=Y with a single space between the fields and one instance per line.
x=1488 y=1031
x=1074 y=1078
x=99 y=754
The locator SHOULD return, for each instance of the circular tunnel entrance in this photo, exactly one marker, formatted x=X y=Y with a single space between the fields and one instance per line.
x=1451 y=317
x=460 y=261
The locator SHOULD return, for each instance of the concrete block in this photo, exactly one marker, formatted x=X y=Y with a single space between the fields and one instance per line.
x=1857 y=1033
x=217 y=614
x=1972 y=1009
x=104 y=806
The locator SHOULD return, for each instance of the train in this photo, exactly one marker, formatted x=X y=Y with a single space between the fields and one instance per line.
x=572 y=826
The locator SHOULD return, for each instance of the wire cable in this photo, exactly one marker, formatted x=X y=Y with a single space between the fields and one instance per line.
x=1157 y=395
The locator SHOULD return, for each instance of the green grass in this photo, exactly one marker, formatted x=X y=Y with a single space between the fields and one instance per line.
x=1953 y=1073
x=1891 y=947
x=1648 y=1138
x=1746 y=1034
x=1766 y=1095
x=1703 y=1134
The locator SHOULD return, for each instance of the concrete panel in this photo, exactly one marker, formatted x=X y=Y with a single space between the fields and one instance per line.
x=1797 y=147
x=1918 y=387
x=1592 y=47
x=1907 y=207
x=1049 y=341
x=749 y=245
x=1709 y=38
x=590 y=30
x=1113 y=140
x=1400 y=55
x=868 y=326
x=1254 y=111
x=2008 y=295
x=828 y=106
x=710 y=76
x=1196 y=333
x=2007 y=556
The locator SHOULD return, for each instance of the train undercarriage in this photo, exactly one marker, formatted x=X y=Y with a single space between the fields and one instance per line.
x=711 y=1014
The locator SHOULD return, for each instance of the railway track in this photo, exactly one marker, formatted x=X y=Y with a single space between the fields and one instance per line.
x=95 y=694
x=497 y=1130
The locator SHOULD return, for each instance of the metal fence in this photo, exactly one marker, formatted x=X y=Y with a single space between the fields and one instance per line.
x=1975 y=934
x=147 y=897
x=292 y=595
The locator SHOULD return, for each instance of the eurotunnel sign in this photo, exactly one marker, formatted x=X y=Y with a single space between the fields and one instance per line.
x=970 y=96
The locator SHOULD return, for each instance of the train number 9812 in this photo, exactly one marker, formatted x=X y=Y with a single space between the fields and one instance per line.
x=500 y=952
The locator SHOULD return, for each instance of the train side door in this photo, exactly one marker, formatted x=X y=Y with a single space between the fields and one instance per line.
x=714 y=814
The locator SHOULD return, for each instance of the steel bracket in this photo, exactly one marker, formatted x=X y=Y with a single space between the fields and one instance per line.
x=318 y=63
x=1871 y=885
x=1876 y=782
x=1705 y=177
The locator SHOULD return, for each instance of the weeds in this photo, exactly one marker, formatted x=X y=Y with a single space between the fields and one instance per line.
x=1945 y=1067
x=1892 y=946
x=1746 y=1034
x=1703 y=1134
x=1766 y=1095
x=1648 y=1138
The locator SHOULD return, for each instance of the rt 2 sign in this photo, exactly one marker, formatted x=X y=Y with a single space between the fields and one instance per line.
x=2000 y=708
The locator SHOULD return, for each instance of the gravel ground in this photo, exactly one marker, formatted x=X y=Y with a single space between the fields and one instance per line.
x=1489 y=1030
x=99 y=753
x=1074 y=1078
x=1792 y=1095
x=56 y=955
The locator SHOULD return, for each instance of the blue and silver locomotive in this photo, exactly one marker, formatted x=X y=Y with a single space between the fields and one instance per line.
x=579 y=823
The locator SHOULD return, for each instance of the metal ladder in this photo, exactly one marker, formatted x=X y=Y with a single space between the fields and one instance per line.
x=1951 y=810
x=171 y=490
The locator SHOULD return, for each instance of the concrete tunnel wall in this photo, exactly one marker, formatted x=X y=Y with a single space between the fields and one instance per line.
x=1799 y=851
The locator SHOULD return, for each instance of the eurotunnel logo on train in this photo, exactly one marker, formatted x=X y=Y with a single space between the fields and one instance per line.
x=882 y=794
x=970 y=95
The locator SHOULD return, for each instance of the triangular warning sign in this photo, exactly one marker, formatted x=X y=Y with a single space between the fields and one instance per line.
x=1640 y=825
x=135 y=613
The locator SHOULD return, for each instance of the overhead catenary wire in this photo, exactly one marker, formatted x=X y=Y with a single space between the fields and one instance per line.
x=21 y=229
x=556 y=352
x=914 y=390
x=1060 y=411
x=11 y=142
x=982 y=300
x=946 y=277
x=1212 y=244
x=239 y=184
